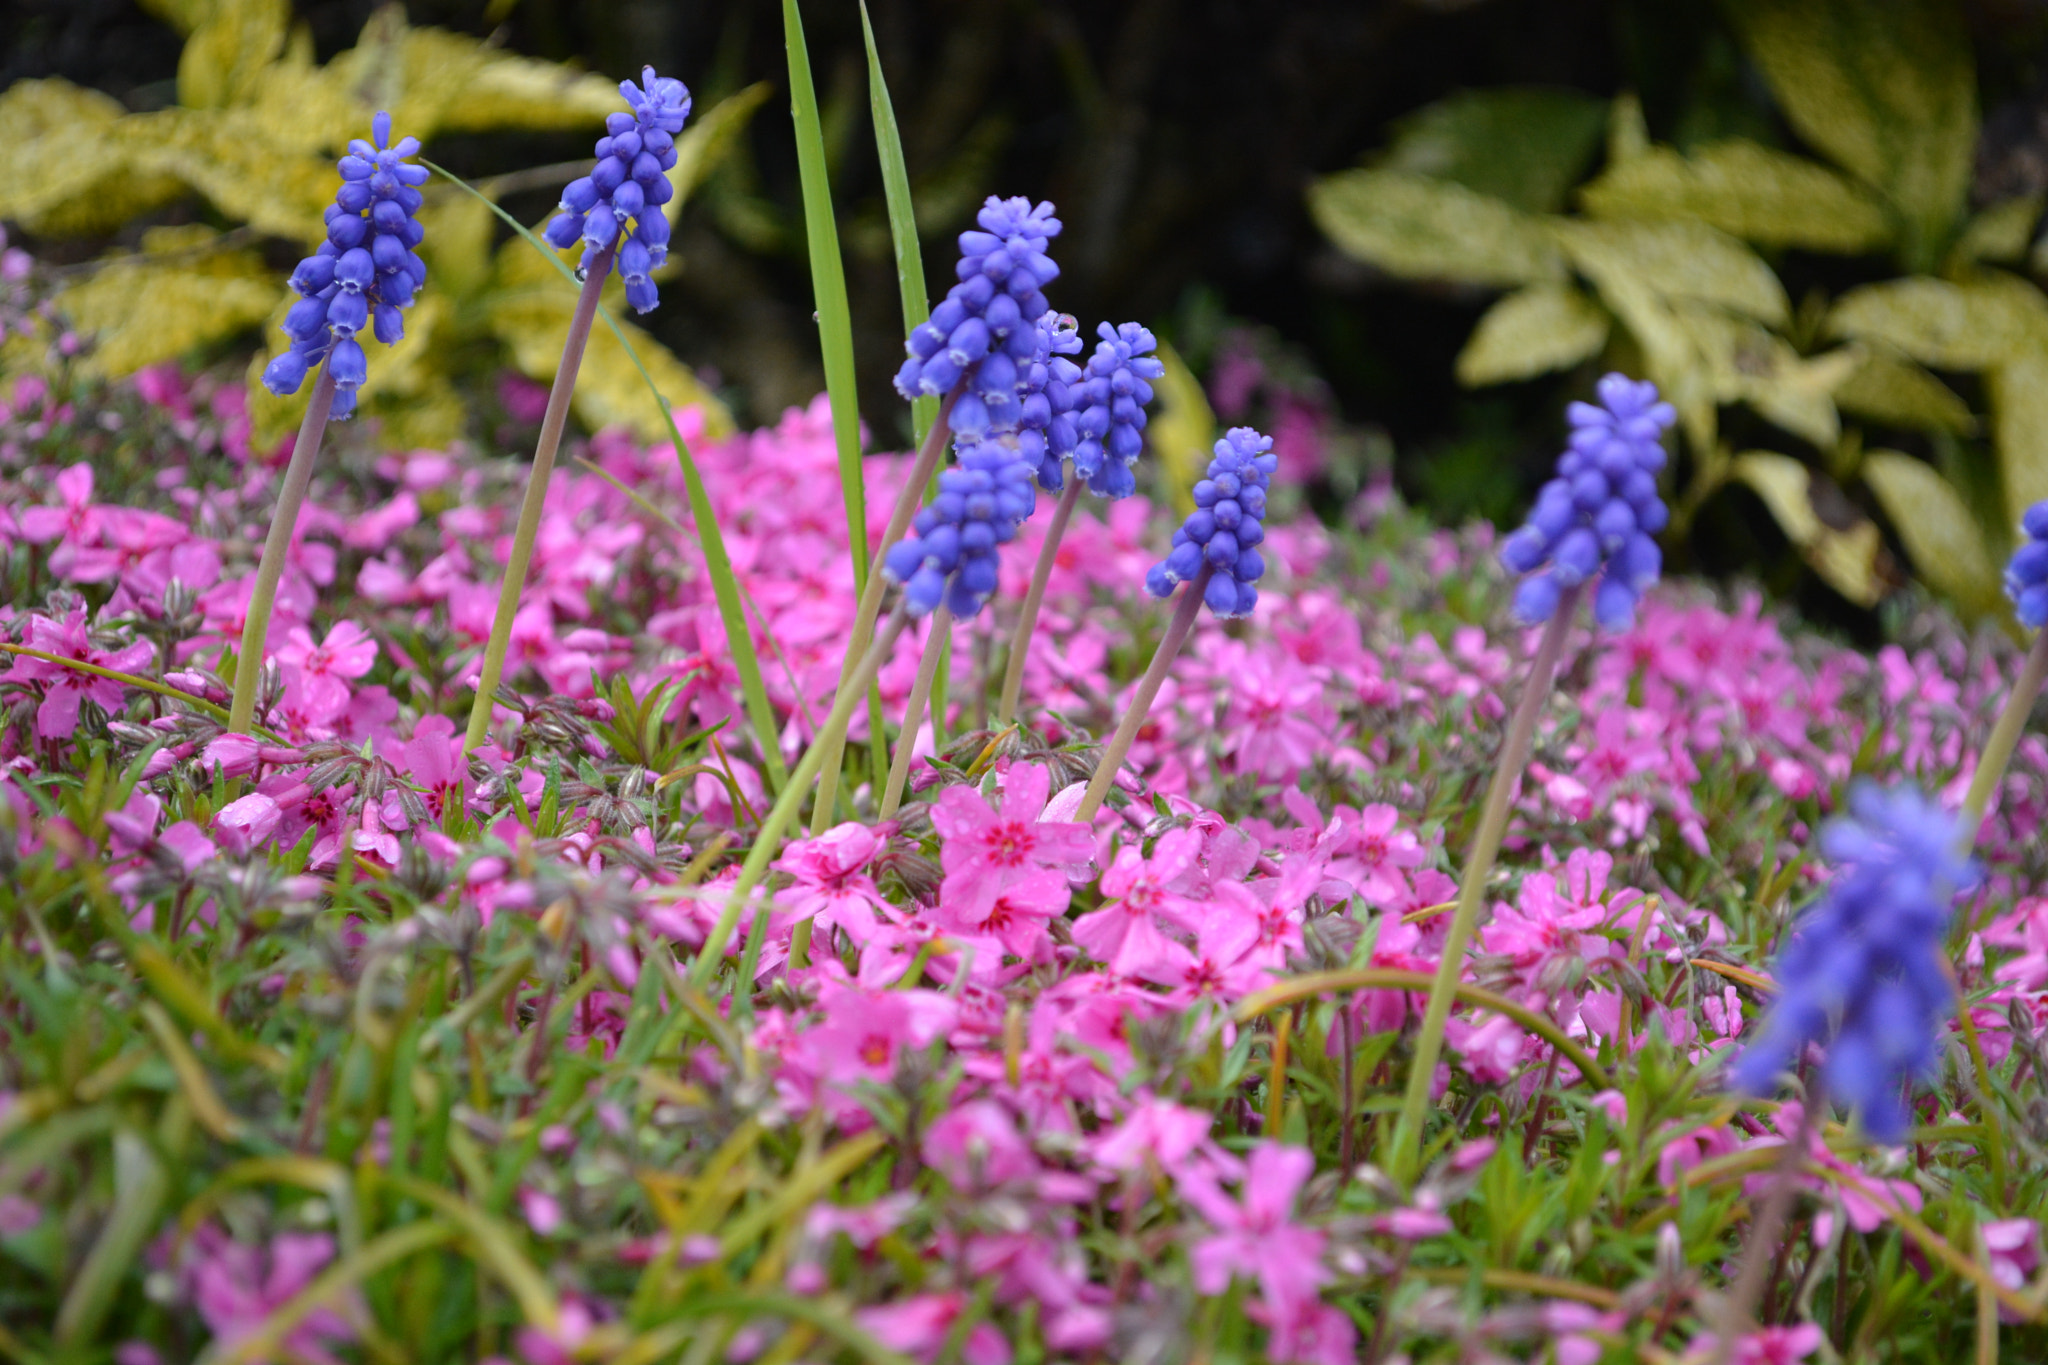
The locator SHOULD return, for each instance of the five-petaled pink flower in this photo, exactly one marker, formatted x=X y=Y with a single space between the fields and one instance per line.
x=64 y=688
x=987 y=851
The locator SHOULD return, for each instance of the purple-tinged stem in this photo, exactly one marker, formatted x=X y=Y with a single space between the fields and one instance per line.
x=2005 y=737
x=936 y=645
x=1027 y=615
x=1737 y=1313
x=928 y=455
x=537 y=478
x=298 y=475
x=1141 y=701
x=1493 y=825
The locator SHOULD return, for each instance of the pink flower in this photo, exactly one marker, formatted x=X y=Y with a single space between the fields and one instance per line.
x=1256 y=1235
x=832 y=885
x=1154 y=1131
x=863 y=1033
x=1368 y=850
x=324 y=671
x=977 y=1146
x=64 y=689
x=919 y=1326
x=1306 y=1331
x=1126 y=933
x=235 y=1287
x=1766 y=1346
x=246 y=822
x=72 y=524
x=987 y=852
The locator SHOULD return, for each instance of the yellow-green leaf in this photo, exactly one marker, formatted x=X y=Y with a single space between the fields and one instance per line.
x=182 y=15
x=178 y=295
x=1679 y=260
x=1519 y=144
x=1887 y=91
x=1847 y=558
x=224 y=58
x=2000 y=233
x=61 y=173
x=1750 y=191
x=1747 y=364
x=226 y=155
x=2019 y=413
x=1890 y=390
x=1532 y=331
x=1974 y=325
x=1945 y=543
x=1183 y=430
x=1419 y=228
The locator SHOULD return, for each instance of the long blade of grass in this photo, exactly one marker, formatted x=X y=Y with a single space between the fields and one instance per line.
x=902 y=215
x=717 y=563
x=835 y=342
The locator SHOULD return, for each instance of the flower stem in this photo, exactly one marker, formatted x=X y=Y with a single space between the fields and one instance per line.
x=283 y=521
x=1493 y=824
x=1027 y=615
x=537 y=479
x=1760 y=1248
x=1141 y=701
x=768 y=838
x=936 y=645
x=2005 y=737
x=870 y=607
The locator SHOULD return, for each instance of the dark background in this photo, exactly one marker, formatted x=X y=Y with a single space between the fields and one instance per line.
x=1176 y=137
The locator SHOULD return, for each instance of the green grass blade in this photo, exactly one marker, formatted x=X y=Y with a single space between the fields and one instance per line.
x=725 y=587
x=835 y=328
x=902 y=215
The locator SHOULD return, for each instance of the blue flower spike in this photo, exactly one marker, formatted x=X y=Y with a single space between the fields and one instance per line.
x=621 y=200
x=1226 y=527
x=2026 y=573
x=950 y=555
x=1111 y=402
x=363 y=276
x=1864 y=971
x=1599 y=515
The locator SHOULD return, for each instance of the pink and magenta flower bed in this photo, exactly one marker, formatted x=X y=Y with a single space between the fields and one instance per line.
x=343 y=1040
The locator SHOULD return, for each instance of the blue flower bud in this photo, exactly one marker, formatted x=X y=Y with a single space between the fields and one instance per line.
x=285 y=373
x=1536 y=599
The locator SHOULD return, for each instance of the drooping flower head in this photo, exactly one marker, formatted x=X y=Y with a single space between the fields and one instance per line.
x=1111 y=408
x=1046 y=434
x=950 y=555
x=1866 y=962
x=984 y=333
x=1601 y=510
x=620 y=200
x=362 y=275
x=2026 y=573
x=1225 y=528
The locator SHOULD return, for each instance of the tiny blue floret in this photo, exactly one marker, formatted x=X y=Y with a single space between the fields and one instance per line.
x=1600 y=512
x=363 y=275
x=1226 y=527
x=619 y=202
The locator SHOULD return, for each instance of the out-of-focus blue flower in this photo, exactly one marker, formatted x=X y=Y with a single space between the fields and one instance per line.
x=1046 y=434
x=363 y=275
x=1865 y=963
x=620 y=200
x=1598 y=516
x=1225 y=528
x=2026 y=573
x=951 y=554
x=984 y=334
x=1111 y=408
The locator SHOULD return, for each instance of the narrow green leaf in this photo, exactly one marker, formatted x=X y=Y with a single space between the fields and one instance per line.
x=717 y=563
x=140 y=1184
x=902 y=215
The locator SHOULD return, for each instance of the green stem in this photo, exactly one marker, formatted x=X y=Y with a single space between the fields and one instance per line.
x=1493 y=824
x=537 y=478
x=2005 y=737
x=928 y=453
x=256 y=625
x=1027 y=615
x=936 y=645
x=1141 y=701
x=1738 y=1306
x=768 y=838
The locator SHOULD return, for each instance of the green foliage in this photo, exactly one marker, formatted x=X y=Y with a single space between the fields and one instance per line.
x=1662 y=271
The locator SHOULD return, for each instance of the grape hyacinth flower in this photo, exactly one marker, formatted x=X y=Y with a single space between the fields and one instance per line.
x=984 y=333
x=1226 y=527
x=2026 y=573
x=619 y=203
x=1046 y=433
x=1599 y=514
x=2026 y=583
x=1110 y=405
x=1866 y=962
x=362 y=275
x=951 y=557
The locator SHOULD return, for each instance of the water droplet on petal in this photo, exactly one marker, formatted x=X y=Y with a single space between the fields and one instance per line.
x=581 y=274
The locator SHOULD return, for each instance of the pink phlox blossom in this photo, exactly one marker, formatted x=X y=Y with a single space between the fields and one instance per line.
x=863 y=1225
x=830 y=882
x=324 y=671
x=1306 y=1331
x=73 y=523
x=435 y=761
x=862 y=1035
x=987 y=849
x=65 y=689
x=2013 y=1248
x=1256 y=1236
x=1277 y=722
x=1159 y=1135
x=1224 y=964
x=1127 y=933
x=1369 y=850
x=1765 y=1346
x=236 y=1287
x=919 y=1327
x=976 y=1146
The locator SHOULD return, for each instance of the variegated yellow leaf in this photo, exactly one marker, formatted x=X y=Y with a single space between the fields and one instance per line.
x=1679 y=260
x=1533 y=330
x=1751 y=365
x=1890 y=390
x=1973 y=325
x=2000 y=233
x=173 y=298
x=229 y=50
x=1419 y=228
x=62 y=174
x=1848 y=559
x=224 y=154
x=1750 y=191
x=1183 y=430
x=2019 y=414
x=1946 y=544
